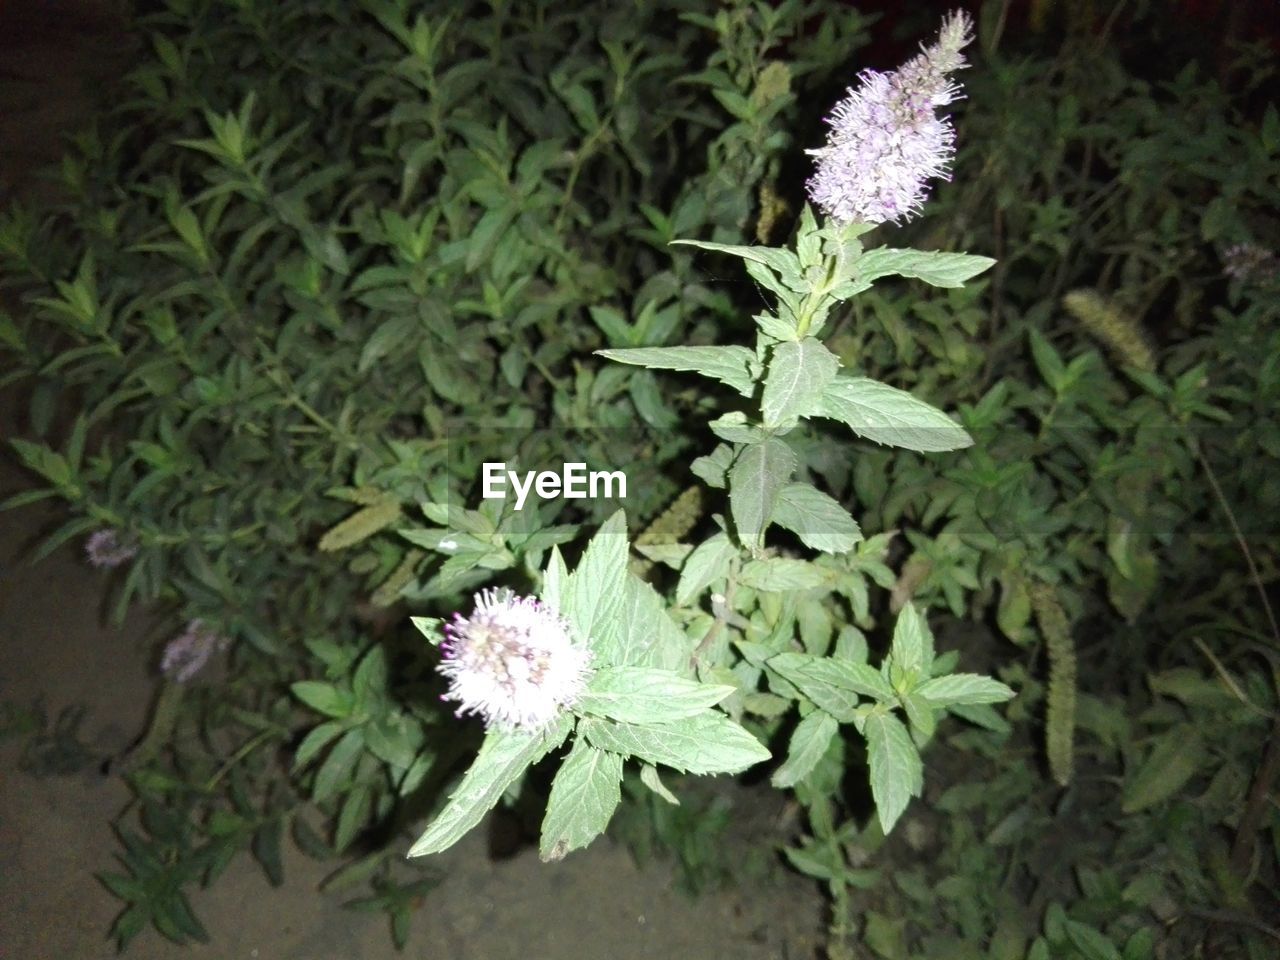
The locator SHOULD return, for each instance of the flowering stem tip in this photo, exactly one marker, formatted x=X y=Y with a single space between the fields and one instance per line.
x=513 y=661
x=105 y=549
x=885 y=140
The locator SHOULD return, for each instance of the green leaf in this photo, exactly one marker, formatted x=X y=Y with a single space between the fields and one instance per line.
x=963 y=688
x=353 y=816
x=429 y=627
x=736 y=428
x=394 y=739
x=356 y=872
x=324 y=697
x=555 y=585
x=708 y=562
x=503 y=757
x=758 y=476
x=937 y=268
x=584 y=794
x=921 y=713
x=707 y=743
x=315 y=741
x=779 y=259
x=798 y=374
x=835 y=698
x=981 y=715
x=822 y=675
x=713 y=469
x=486 y=234
x=885 y=414
x=650 y=778
x=809 y=743
x=1091 y=942
x=641 y=695
x=648 y=637
x=1047 y=361
x=49 y=464
x=782 y=574
x=337 y=766
x=1167 y=769
x=818 y=520
x=912 y=649
x=897 y=774
x=734 y=366
x=75 y=445
x=599 y=583
x=27 y=497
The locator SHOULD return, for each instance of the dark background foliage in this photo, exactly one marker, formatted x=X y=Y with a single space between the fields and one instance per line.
x=316 y=255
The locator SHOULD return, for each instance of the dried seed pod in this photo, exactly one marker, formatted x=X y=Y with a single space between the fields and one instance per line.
x=1061 y=707
x=1119 y=331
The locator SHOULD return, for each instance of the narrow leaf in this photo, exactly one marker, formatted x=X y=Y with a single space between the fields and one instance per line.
x=808 y=744
x=811 y=673
x=707 y=743
x=912 y=649
x=708 y=562
x=503 y=757
x=758 y=476
x=642 y=695
x=782 y=574
x=650 y=778
x=897 y=774
x=1167 y=769
x=887 y=415
x=938 y=268
x=963 y=688
x=734 y=366
x=584 y=795
x=598 y=587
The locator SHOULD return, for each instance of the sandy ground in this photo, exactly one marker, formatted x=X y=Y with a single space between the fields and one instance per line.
x=55 y=829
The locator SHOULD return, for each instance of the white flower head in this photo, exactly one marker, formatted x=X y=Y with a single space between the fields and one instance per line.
x=886 y=141
x=513 y=661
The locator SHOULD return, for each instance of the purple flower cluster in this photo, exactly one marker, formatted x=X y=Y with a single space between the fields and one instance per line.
x=1250 y=262
x=513 y=662
x=886 y=141
x=186 y=654
x=104 y=549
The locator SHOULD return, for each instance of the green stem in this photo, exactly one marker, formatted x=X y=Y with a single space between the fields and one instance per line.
x=246 y=748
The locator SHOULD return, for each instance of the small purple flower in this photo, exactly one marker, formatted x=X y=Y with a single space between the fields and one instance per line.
x=885 y=140
x=513 y=662
x=105 y=550
x=186 y=654
x=1250 y=262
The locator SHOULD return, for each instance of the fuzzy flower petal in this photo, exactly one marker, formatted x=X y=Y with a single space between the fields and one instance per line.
x=104 y=549
x=186 y=654
x=1250 y=262
x=885 y=141
x=513 y=662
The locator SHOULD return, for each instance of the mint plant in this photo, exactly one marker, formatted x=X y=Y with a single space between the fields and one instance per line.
x=650 y=690
x=310 y=266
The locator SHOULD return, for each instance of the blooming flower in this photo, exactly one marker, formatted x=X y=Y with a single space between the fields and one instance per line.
x=1250 y=262
x=104 y=549
x=512 y=661
x=885 y=140
x=186 y=654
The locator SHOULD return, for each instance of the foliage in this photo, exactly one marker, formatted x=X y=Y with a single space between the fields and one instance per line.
x=325 y=260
